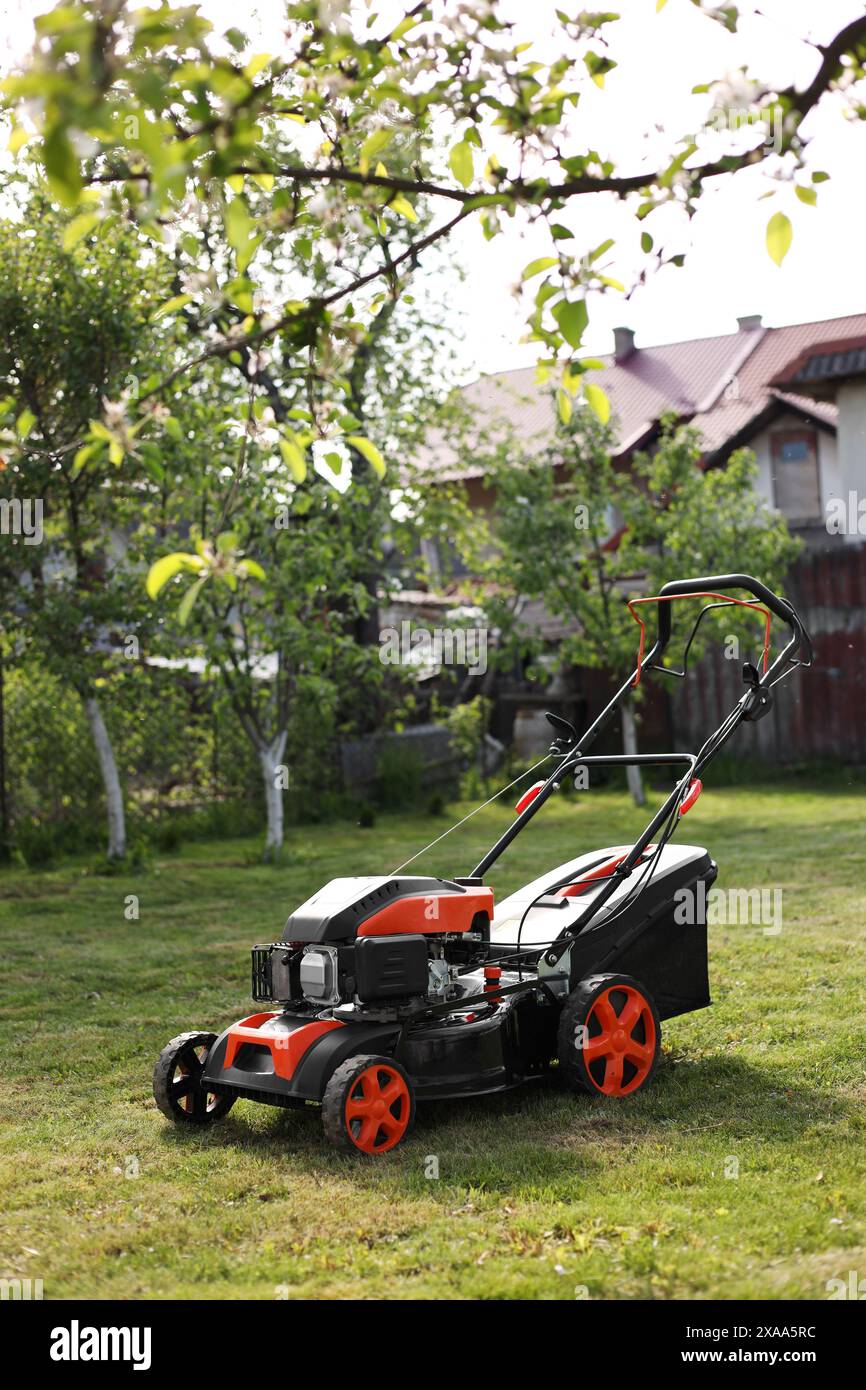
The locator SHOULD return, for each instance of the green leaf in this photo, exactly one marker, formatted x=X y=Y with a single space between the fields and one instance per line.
x=61 y=166
x=83 y=457
x=410 y=22
x=240 y=232
x=166 y=567
x=572 y=319
x=806 y=195
x=150 y=458
x=600 y=250
x=563 y=402
x=660 y=4
x=18 y=139
x=571 y=378
x=404 y=207
x=598 y=65
x=251 y=569
x=462 y=163
x=780 y=234
x=24 y=424
x=373 y=145
x=597 y=401
x=646 y=242
x=536 y=267
x=185 y=606
x=369 y=451
x=170 y=306
x=293 y=455
x=79 y=228
x=256 y=63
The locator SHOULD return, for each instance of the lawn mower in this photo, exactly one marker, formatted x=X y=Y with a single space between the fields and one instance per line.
x=401 y=988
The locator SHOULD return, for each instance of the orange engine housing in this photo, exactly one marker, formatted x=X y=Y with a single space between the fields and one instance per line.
x=430 y=913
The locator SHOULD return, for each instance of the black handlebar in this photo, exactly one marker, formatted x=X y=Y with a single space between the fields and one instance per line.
x=782 y=608
x=571 y=748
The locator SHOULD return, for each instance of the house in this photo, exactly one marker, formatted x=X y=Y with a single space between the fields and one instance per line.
x=796 y=396
x=737 y=389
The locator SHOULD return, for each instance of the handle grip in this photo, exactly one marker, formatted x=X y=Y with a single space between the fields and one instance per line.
x=781 y=607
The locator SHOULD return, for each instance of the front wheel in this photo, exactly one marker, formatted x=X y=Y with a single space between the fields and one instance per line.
x=368 y=1105
x=609 y=1036
x=177 y=1082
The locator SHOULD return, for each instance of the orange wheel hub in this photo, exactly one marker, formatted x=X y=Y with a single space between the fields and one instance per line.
x=625 y=1040
x=378 y=1108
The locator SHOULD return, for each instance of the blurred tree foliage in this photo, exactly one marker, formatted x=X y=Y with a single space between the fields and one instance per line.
x=581 y=534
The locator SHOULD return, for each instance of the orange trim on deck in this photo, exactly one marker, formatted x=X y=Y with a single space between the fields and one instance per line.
x=574 y=890
x=287 y=1049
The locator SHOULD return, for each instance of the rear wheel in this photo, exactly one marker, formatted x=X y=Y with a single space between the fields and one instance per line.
x=177 y=1082
x=368 y=1106
x=609 y=1036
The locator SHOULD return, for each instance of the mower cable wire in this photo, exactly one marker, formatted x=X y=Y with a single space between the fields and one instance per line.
x=795 y=663
x=457 y=824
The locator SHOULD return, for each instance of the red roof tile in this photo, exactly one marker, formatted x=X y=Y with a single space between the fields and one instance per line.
x=721 y=384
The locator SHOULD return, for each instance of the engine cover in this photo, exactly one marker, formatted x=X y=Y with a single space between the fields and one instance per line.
x=347 y=908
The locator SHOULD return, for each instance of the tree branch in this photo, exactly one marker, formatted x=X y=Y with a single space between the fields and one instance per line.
x=311 y=310
x=831 y=54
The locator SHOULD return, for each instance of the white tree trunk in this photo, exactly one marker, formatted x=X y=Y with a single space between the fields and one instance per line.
x=110 y=779
x=629 y=745
x=270 y=757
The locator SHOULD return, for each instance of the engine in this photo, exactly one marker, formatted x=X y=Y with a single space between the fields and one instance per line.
x=376 y=944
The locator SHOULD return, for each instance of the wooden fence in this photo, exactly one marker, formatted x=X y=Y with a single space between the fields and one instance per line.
x=820 y=714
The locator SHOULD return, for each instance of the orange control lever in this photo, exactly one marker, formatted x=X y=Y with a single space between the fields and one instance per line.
x=528 y=796
x=691 y=796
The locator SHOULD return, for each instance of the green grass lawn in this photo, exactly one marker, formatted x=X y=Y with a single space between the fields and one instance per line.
x=540 y=1194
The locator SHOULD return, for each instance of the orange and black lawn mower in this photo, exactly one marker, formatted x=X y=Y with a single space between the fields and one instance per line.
x=385 y=991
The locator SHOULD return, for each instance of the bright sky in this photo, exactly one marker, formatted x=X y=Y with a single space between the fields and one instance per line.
x=647 y=102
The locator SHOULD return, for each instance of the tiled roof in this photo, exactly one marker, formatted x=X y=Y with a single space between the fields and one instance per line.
x=723 y=385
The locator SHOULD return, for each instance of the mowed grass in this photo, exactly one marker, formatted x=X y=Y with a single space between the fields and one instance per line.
x=540 y=1194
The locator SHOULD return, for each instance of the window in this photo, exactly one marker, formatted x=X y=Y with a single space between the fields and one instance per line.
x=795 y=474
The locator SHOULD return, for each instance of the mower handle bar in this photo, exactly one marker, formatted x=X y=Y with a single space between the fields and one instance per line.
x=781 y=607
x=573 y=756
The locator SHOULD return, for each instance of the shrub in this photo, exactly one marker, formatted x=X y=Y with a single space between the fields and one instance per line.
x=399 y=776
